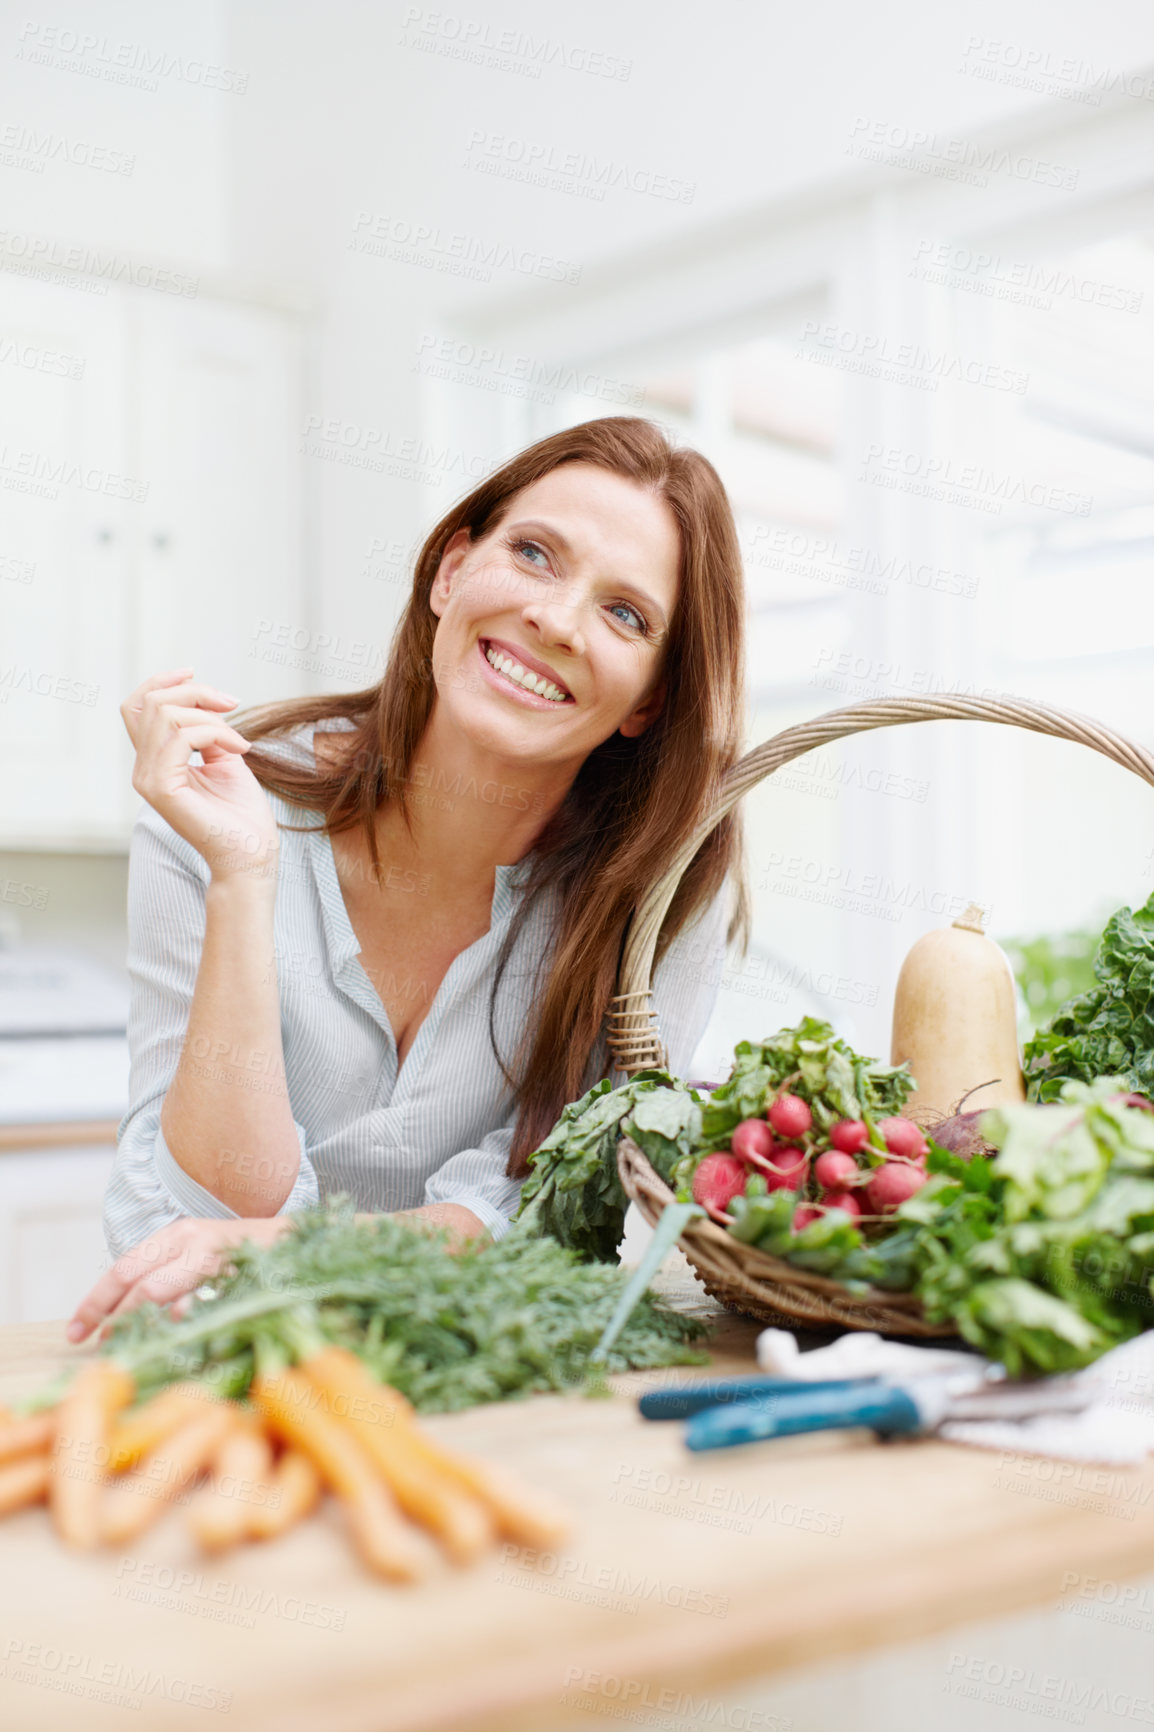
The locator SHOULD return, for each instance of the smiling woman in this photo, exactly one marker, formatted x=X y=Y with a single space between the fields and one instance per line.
x=374 y=936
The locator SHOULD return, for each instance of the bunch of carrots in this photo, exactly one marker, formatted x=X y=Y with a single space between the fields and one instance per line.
x=107 y=1469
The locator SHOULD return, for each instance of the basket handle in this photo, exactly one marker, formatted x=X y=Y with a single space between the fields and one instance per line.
x=633 y=1036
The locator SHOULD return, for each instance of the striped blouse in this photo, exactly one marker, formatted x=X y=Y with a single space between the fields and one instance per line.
x=436 y=1129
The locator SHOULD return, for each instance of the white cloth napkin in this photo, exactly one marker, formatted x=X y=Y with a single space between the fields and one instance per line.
x=1116 y=1428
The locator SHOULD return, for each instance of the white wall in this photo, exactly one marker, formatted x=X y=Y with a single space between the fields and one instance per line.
x=80 y=73
x=754 y=104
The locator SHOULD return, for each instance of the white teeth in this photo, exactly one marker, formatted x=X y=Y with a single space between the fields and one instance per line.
x=521 y=676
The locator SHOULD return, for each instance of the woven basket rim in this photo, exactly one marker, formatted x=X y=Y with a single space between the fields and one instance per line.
x=729 y=1268
x=633 y=1035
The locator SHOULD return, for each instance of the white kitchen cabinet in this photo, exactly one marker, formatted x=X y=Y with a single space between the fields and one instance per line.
x=51 y=1239
x=220 y=557
x=64 y=574
x=152 y=517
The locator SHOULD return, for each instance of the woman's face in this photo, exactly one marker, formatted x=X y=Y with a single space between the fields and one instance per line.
x=552 y=628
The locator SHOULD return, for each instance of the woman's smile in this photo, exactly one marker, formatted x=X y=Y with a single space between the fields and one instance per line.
x=521 y=676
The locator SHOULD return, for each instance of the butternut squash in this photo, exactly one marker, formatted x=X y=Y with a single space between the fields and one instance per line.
x=955 y=1021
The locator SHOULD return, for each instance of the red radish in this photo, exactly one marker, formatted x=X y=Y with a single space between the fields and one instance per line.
x=891 y=1184
x=787 y=1168
x=835 y=1168
x=850 y=1136
x=847 y=1200
x=803 y=1216
x=717 y=1181
x=789 y=1116
x=902 y=1137
x=752 y=1140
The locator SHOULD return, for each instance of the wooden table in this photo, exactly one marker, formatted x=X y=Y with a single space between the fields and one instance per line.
x=686 y=1581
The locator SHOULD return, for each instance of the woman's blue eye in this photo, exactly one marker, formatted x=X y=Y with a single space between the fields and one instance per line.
x=623 y=607
x=533 y=548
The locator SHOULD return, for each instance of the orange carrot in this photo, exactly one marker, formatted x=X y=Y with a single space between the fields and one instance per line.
x=221 y=1512
x=293 y=1492
x=293 y=1408
x=462 y=1524
x=27 y=1436
x=529 y=1517
x=80 y=1448
x=139 y=1497
x=139 y=1432
x=522 y=1513
x=23 y=1482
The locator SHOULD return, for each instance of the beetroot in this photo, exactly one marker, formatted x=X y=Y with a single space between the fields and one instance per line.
x=902 y=1137
x=717 y=1181
x=790 y=1116
x=752 y=1140
x=891 y=1184
x=787 y=1168
x=851 y=1136
x=834 y=1168
x=961 y=1135
x=847 y=1200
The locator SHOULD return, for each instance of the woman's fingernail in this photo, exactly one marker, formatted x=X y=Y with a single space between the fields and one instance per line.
x=75 y=1330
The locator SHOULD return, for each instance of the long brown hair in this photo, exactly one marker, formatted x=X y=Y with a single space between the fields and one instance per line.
x=633 y=801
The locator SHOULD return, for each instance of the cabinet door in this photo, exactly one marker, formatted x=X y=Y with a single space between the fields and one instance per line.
x=67 y=509
x=152 y=517
x=221 y=557
x=51 y=1238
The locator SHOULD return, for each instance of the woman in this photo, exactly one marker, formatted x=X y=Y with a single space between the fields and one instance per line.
x=373 y=937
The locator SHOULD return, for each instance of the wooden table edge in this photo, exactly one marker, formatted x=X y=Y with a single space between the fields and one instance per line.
x=917 y=1598
x=57 y=1135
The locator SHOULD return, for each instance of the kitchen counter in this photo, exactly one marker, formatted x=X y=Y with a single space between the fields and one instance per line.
x=689 y=1583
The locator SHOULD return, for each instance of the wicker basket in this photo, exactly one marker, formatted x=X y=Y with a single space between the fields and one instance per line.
x=739 y=1275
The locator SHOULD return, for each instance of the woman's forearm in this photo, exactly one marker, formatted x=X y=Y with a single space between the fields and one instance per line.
x=226 y=1117
x=460 y=1222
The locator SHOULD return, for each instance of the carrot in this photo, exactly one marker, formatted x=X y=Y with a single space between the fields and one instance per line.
x=292 y=1407
x=141 y=1496
x=293 y=1492
x=23 y=1482
x=138 y=1433
x=521 y=1512
x=83 y=1419
x=221 y=1512
x=26 y=1436
x=529 y=1517
x=462 y=1524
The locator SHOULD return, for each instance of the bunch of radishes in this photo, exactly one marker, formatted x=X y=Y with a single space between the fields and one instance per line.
x=784 y=1150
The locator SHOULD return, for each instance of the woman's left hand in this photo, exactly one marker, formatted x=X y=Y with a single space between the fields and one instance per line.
x=169 y=1265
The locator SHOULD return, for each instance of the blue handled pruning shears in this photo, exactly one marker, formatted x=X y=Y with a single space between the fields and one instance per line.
x=749 y=1409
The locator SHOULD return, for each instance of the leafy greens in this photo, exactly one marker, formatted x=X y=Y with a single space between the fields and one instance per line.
x=1109 y=1030
x=833 y=1080
x=489 y=1322
x=573 y=1191
x=1042 y=1256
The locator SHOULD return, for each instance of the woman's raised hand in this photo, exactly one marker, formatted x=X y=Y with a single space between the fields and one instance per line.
x=218 y=805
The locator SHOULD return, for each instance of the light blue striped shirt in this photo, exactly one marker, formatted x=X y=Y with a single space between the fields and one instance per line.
x=436 y=1130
